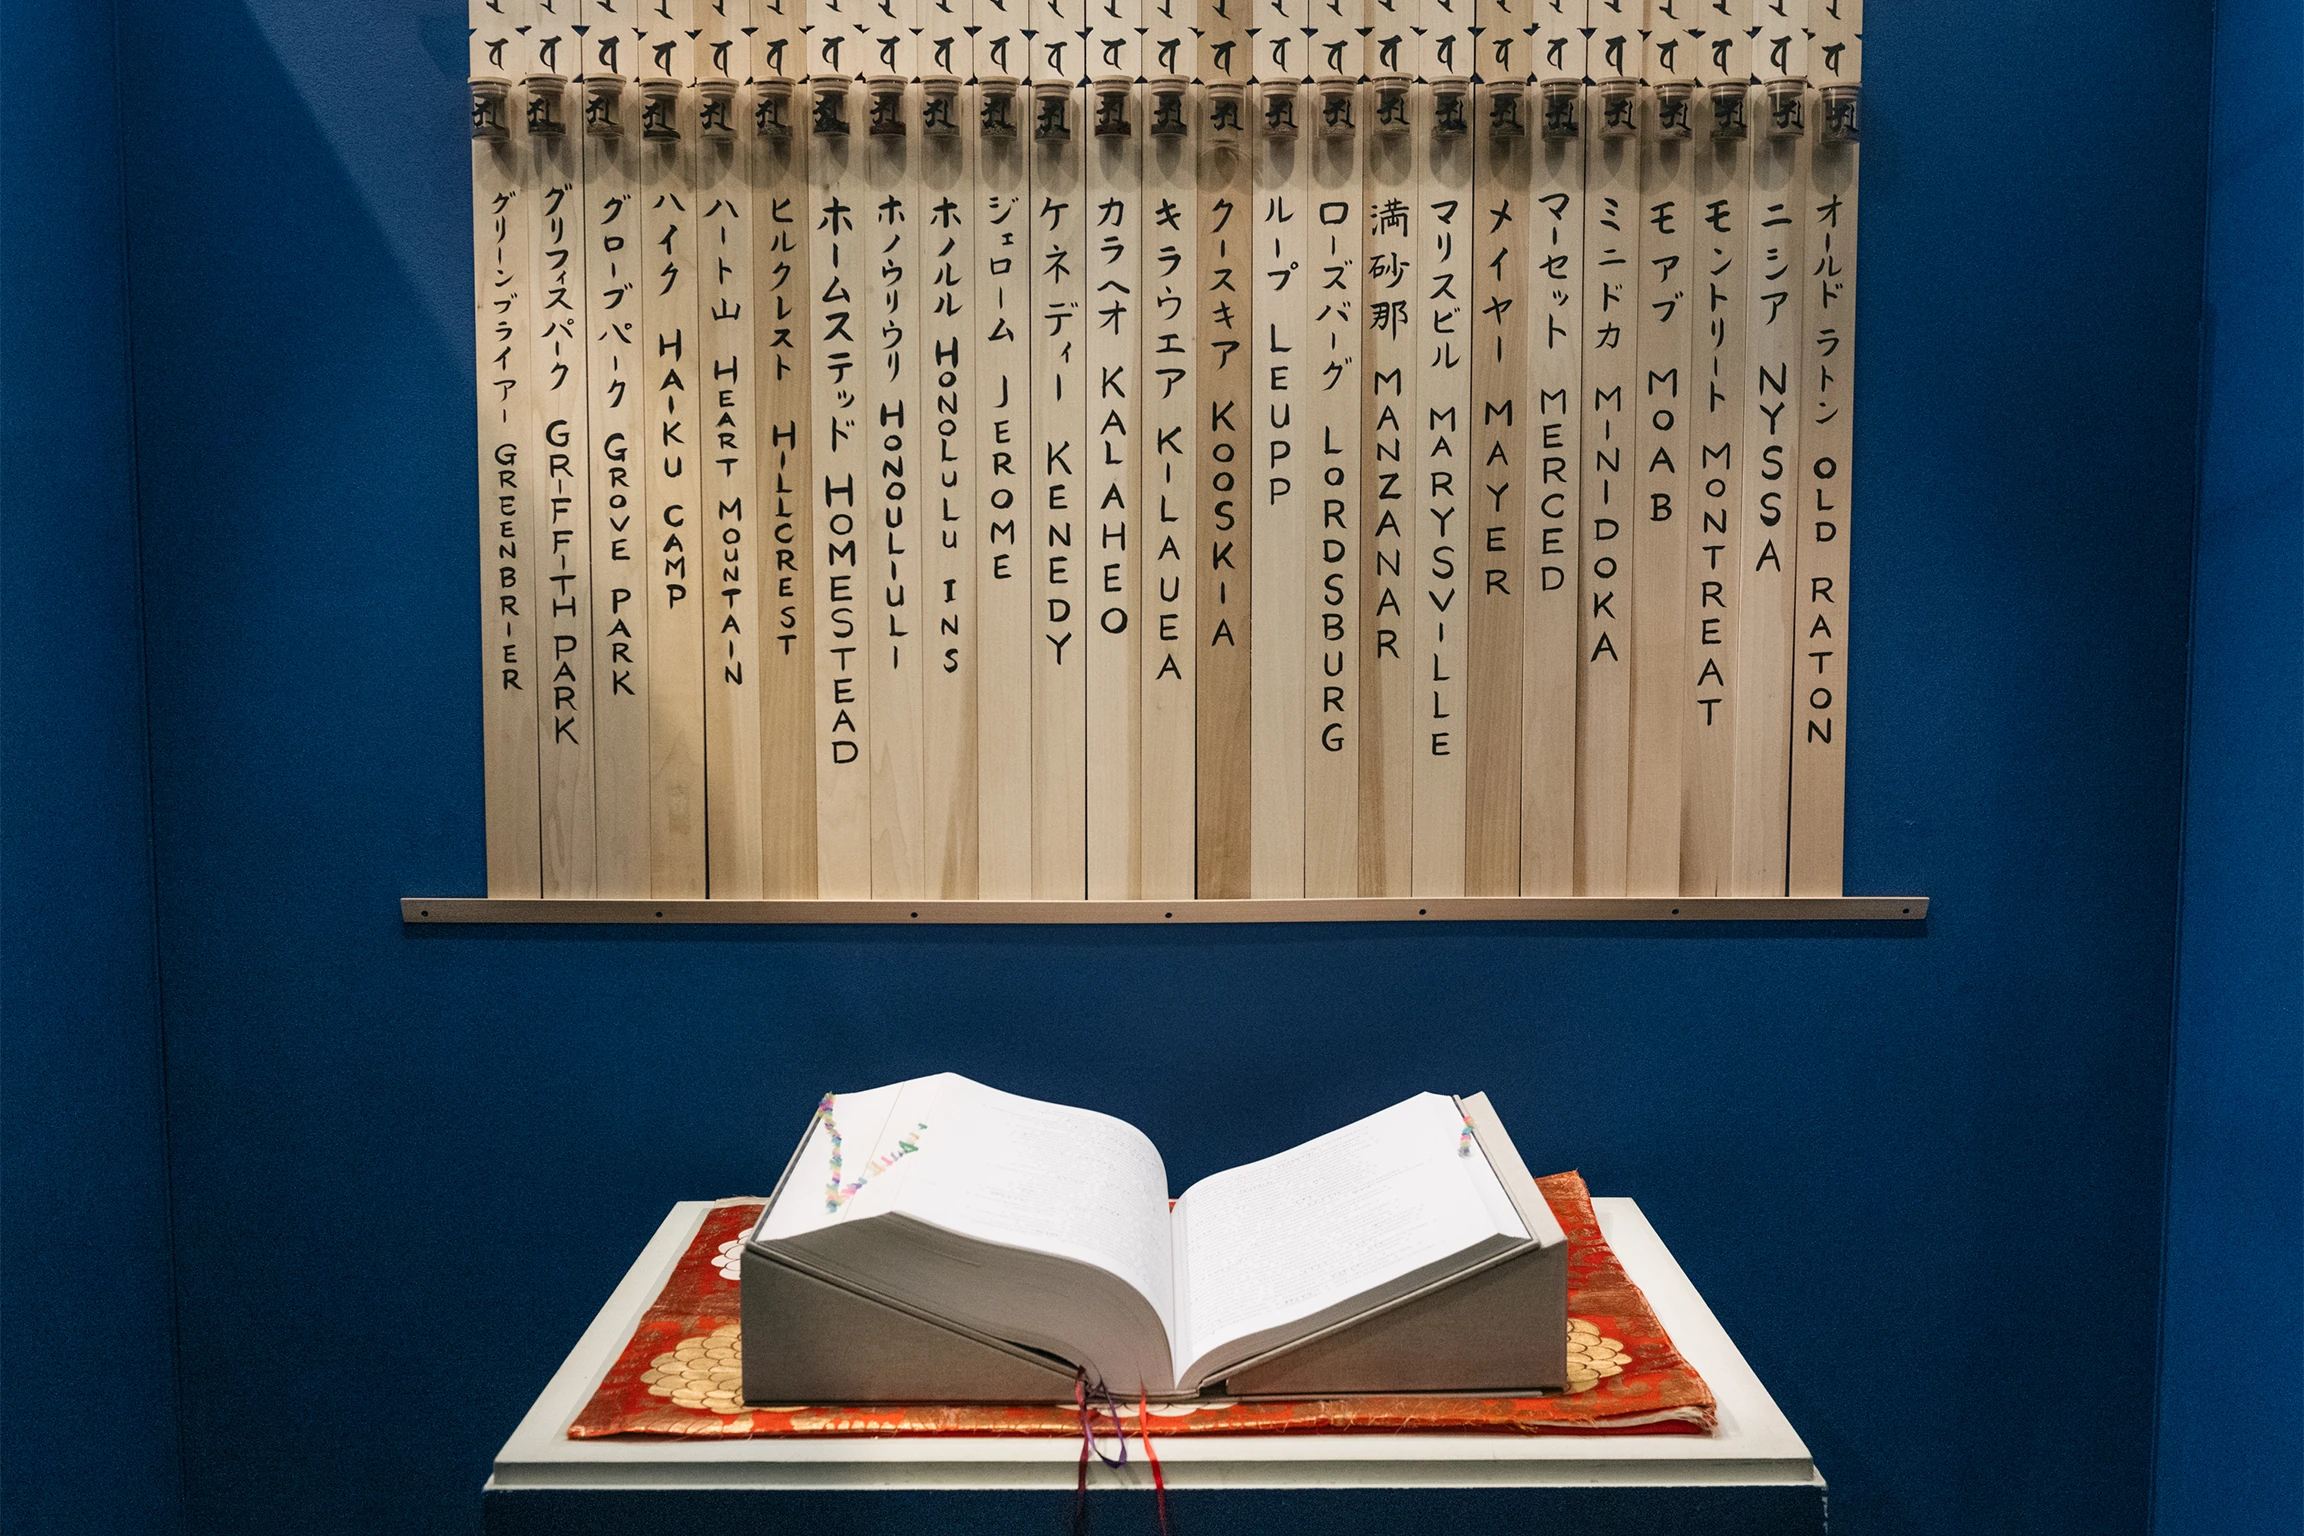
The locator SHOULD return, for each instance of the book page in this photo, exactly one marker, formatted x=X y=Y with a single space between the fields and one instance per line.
x=1273 y=1242
x=996 y=1167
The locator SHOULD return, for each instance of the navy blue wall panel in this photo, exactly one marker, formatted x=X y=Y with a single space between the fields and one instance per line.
x=2231 y=1452
x=1919 y=1175
x=87 y=1425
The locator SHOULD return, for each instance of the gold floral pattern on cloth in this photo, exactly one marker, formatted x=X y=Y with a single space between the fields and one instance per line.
x=682 y=1372
x=705 y=1372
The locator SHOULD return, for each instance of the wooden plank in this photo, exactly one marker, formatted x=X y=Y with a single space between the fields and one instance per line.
x=560 y=455
x=894 y=481
x=1169 y=659
x=953 y=528
x=1827 y=443
x=788 y=650
x=1278 y=407
x=1605 y=612
x=1332 y=568
x=836 y=258
x=1003 y=454
x=1113 y=560
x=507 y=490
x=732 y=554
x=673 y=363
x=1664 y=309
x=1549 y=664
x=1723 y=191
x=1771 y=445
x=1441 y=440
x=1387 y=649
x=615 y=266
x=440 y=911
x=1224 y=324
x=1496 y=530
x=1060 y=556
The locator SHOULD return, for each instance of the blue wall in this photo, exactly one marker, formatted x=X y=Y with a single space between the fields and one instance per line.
x=83 y=1207
x=1919 y=1176
x=2231 y=1462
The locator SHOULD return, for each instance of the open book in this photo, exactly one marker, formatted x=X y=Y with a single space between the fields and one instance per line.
x=1051 y=1228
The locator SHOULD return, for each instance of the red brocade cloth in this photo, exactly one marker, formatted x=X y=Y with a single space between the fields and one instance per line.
x=676 y=1376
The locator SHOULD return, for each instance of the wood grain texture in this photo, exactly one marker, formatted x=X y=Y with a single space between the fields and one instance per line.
x=1060 y=555
x=1113 y=524
x=1387 y=648
x=1549 y=655
x=788 y=648
x=1279 y=410
x=1605 y=609
x=1169 y=658
x=615 y=269
x=1003 y=575
x=1496 y=526
x=1332 y=472
x=1659 y=514
x=506 y=493
x=1227 y=617
x=1819 y=747
x=1440 y=435
x=952 y=527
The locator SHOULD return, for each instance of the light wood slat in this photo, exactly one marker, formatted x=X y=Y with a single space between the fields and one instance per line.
x=1660 y=507
x=506 y=489
x=1278 y=413
x=733 y=552
x=836 y=259
x=953 y=528
x=1387 y=646
x=780 y=300
x=1170 y=658
x=1003 y=456
x=1771 y=444
x=895 y=494
x=1605 y=609
x=616 y=265
x=1717 y=403
x=1496 y=527
x=1820 y=629
x=1440 y=484
x=1332 y=571
x=559 y=451
x=1224 y=323
x=1112 y=520
x=442 y=911
x=1552 y=594
x=673 y=369
x=1060 y=556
